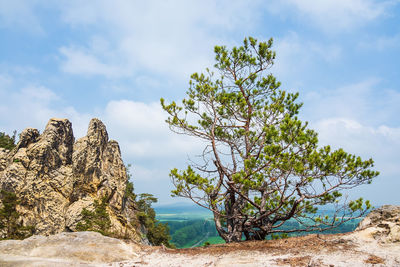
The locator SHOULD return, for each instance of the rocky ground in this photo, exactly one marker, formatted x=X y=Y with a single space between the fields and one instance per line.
x=375 y=243
x=92 y=249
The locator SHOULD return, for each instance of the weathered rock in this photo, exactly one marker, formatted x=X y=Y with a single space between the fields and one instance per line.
x=3 y=158
x=383 y=224
x=56 y=178
x=66 y=249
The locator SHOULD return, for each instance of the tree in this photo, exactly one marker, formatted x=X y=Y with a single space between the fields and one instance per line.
x=261 y=166
x=157 y=232
x=97 y=220
x=6 y=141
x=10 y=223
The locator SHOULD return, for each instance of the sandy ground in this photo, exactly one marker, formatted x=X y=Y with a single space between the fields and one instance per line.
x=313 y=250
x=354 y=249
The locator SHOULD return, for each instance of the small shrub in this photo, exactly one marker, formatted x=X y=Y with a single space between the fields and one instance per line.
x=157 y=232
x=279 y=236
x=206 y=244
x=97 y=220
x=10 y=223
x=6 y=141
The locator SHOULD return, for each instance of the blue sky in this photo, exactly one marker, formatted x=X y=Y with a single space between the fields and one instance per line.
x=115 y=59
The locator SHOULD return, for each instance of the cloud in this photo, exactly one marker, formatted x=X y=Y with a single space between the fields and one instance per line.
x=170 y=38
x=334 y=15
x=381 y=143
x=355 y=136
x=361 y=118
x=33 y=105
x=148 y=144
x=79 y=61
x=37 y=93
x=365 y=101
x=11 y=13
x=143 y=132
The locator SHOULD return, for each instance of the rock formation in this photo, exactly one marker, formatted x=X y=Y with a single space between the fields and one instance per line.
x=55 y=178
x=383 y=224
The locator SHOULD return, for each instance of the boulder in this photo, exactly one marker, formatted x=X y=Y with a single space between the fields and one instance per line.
x=66 y=249
x=383 y=224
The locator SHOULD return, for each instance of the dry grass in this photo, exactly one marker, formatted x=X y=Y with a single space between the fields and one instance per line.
x=293 y=245
x=295 y=261
x=372 y=259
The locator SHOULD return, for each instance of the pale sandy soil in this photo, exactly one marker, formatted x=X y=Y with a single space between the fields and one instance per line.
x=354 y=249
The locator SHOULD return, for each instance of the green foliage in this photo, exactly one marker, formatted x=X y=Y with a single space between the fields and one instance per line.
x=261 y=165
x=157 y=233
x=279 y=236
x=129 y=189
x=9 y=218
x=6 y=141
x=188 y=233
x=97 y=220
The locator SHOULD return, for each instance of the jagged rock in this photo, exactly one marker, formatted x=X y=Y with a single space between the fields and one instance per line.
x=383 y=224
x=56 y=178
x=3 y=158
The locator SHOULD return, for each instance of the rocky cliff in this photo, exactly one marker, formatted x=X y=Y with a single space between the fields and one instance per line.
x=55 y=178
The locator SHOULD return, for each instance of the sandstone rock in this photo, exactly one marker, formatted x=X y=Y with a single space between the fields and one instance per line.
x=3 y=158
x=65 y=249
x=56 y=178
x=383 y=224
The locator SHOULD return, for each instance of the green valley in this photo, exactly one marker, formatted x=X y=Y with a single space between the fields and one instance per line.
x=193 y=226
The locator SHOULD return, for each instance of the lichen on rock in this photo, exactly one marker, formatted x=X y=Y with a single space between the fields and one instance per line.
x=55 y=178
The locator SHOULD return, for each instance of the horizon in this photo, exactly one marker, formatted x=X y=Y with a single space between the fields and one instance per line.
x=115 y=60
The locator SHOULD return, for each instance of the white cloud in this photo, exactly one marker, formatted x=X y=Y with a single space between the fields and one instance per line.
x=20 y=14
x=143 y=132
x=361 y=118
x=148 y=144
x=172 y=38
x=38 y=93
x=381 y=143
x=32 y=106
x=78 y=61
x=334 y=15
x=366 y=101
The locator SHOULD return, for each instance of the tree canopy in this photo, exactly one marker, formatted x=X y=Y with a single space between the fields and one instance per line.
x=261 y=165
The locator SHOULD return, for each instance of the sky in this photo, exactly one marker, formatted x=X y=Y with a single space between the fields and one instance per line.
x=114 y=60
